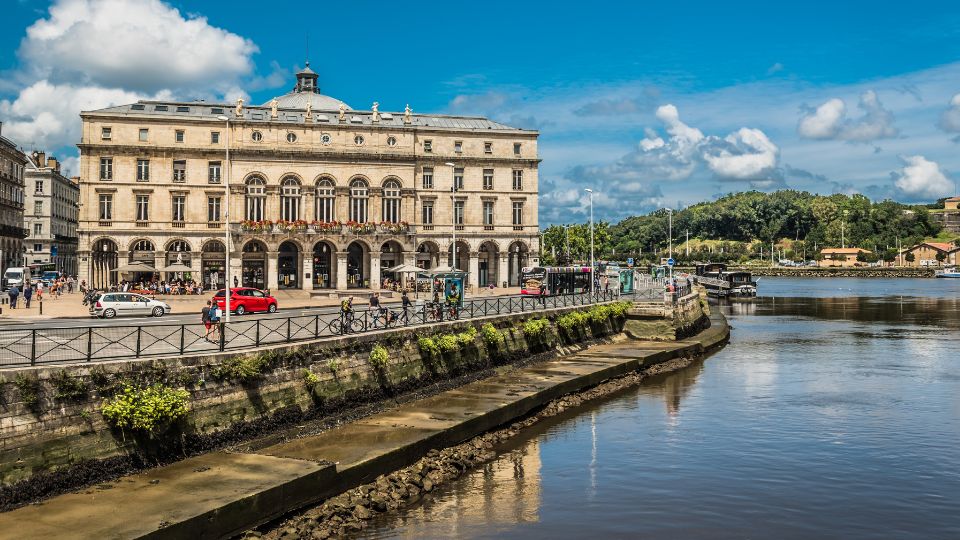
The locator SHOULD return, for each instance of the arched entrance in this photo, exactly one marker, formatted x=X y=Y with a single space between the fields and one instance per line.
x=518 y=257
x=288 y=259
x=103 y=260
x=489 y=257
x=253 y=265
x=391 y=254
x=142 y=251
x=358 y=265
x=463 y=256
x=213 y=259
x=428 y=255
x=324 y=271
x=178 y=253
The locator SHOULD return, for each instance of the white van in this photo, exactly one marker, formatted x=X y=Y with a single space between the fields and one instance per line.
x=14 y=276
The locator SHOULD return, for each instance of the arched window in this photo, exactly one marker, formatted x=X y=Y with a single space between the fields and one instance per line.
x=143 y=245
x=324 y=200
x=290 y=199
x=391 y=201
x=256 y=198
x=359 y=193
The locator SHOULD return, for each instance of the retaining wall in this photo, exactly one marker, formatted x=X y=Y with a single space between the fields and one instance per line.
x=664 y=322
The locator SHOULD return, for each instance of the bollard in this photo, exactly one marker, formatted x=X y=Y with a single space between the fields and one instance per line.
x=41 y=307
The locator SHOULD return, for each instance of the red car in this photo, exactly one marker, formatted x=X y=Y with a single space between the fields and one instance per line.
x=247 y=299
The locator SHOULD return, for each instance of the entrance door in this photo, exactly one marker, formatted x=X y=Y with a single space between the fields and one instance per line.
x=252 y=274
x=287 y=275
x=355 y=275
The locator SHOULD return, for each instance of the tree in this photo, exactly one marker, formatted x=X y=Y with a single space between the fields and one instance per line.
x=910 y=257
x=941 y=256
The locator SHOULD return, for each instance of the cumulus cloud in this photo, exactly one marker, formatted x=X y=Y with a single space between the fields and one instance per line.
x=744 y=154
x=829 y=121
x=921 y=179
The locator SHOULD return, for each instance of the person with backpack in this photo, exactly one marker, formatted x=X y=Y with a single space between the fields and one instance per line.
x=215 y=315
x=14 y=293
x=28 y=295
x=205 y=318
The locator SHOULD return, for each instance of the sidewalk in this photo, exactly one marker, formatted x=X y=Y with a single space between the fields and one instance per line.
x=71 y=306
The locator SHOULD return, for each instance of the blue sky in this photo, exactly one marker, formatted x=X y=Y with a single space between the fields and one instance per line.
x=650 y=103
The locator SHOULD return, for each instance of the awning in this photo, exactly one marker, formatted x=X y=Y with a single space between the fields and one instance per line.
x=404 y=269
x=135 y=267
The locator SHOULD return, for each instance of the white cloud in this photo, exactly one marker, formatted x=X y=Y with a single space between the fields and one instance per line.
x=950 y=118
x=921 y=179
x=829 y=121
x=746 y=154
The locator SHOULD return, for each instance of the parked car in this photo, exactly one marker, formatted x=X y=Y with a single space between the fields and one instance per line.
x=247 y=299
x=121 y=304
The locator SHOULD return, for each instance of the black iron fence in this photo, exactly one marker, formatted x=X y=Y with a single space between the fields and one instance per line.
x=19 y=347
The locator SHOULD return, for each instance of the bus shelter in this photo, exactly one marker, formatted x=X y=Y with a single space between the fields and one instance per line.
x=444 y=279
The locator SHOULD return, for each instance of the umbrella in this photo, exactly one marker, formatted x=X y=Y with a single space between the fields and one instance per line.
x=135 y=267
x=442 y=270
x=177 y=267
x=408 y=269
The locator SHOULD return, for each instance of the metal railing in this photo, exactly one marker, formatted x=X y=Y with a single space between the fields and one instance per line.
x=21 y=347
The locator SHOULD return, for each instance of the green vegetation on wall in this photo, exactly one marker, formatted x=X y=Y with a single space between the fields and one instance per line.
x=147 y=409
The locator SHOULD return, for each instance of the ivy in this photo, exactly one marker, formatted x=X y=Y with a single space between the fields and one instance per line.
x=147 y=409
x=310 y=379
x=244 y=368
x=68 y=388
x=29 y=389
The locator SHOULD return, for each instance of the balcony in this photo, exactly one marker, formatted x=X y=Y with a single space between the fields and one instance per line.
x=320 y=227
x=178 y=224
x=214 y=224
x=143 y=224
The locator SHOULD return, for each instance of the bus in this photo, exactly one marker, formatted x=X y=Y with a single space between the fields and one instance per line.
x=558 y=280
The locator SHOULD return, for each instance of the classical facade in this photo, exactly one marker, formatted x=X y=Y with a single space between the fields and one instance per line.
x=321 y=196
x=12 y=233
x=51 y=212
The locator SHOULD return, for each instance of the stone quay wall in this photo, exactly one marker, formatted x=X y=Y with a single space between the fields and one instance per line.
x=669 y=321
x=878 y=272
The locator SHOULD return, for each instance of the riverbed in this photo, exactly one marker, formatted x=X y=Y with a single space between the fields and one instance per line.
x=833 y=412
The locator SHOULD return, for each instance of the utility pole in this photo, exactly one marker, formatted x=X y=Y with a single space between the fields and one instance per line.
x=687 y=245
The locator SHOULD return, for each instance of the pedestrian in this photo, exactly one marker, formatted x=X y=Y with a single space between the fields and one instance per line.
x=27 y=295
x=39 y=292
x=542 y=290
x=214 y=316
x=405 y=303
x=70 y=284
x=14 y=293
x=83 y=286
x=606 y=283
x=236 y=282
x=205 y=318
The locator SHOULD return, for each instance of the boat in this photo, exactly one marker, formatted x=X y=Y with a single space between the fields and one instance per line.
x=718 y=281
x=948 y=272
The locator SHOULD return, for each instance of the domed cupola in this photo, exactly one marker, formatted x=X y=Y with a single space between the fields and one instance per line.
x=307 y=90
x=307 y=80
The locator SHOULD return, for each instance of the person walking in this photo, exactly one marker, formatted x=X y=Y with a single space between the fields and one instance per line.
x=405 y=303
x=214 y=316
x=14 y=293
x=27 y=295
x=542 y=290
x=205 y=318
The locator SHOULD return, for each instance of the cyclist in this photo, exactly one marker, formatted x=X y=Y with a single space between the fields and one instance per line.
x=436 y=306
x=346 y=314
x=453 y=301
x=379 y=312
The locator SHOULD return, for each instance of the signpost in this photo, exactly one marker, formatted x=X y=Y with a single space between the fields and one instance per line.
x=670 y=263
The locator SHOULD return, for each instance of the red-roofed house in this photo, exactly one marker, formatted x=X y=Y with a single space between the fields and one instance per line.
x=842 y=257
x=925 y=254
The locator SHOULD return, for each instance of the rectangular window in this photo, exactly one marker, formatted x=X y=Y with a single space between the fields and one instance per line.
x=214 y=137
x=37 y=229
x=178 y=135
x=37 y=207
x=428 y=145
x=106 y=207
x=516 y=149
x=213 y=172
x=143 y=170
x=458 y=146
x=458 y=213
x=106 y=133
x=213 y=209
x=180 y=170
x=39 y=187
x=488 y=148
x=517 y=214
x=179 y=204
x=458 y=178
x=428 y=178
x=143 y=208
x=38 y=247
x=488 y=179
x=144 y=134
x=517 y=180
x=428 y=212
x=488 y=215
x=106 y=168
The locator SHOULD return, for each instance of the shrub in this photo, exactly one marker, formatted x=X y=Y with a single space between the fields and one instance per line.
x=244 y=368
x=29 y=389
x=310 y=379
x=573 y=320
x=448 y=343
x=599 y=314
x=467 y=337
x=333 y=365
x=491 y=336
x=147 y=409
x=619 y=309
x=68 y=388
x=428 y=346
x=535 y=328
x=379 y=356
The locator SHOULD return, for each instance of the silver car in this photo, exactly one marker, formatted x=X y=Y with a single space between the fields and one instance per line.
x=122 y=304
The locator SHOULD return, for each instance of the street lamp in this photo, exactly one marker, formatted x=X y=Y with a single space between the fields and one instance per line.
x=593 y=268
x=226 y=229
x=843 y=230
x=453 y=205
x=670 y=238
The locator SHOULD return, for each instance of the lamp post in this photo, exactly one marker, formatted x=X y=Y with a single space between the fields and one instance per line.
x=453 y=210
x=593 y=269
x=843 y=230
x=226 y=220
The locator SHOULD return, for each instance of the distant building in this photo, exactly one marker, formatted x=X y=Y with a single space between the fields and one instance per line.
x=50 y=214
x=925 y=254
x=842 y=257
x=12 y=233
x=949 y=216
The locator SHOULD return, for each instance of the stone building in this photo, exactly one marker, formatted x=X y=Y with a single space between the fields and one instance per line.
x=322 y=196
x=949 y=216
x=12 y=233
x=51 y=211
x=842 y=257
x=926 y=254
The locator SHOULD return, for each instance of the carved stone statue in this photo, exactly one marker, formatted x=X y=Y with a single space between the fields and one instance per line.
x=407 y=115
x=376 y=111
x=309 y=115
x=238 y=112
x=343 y=113
x=273 y=107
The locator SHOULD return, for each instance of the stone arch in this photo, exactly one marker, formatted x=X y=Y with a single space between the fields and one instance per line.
x=169 y=245
x=255 y=174
x=428 y=254
x=488 y=263
x=324 y=265
x=325 y=176
x=518 y=256
x=289 y=264
x=358 y=264
x=104 y=258
x=463 y=255
x=213 y=261
x=253 y=264
x=391 y=178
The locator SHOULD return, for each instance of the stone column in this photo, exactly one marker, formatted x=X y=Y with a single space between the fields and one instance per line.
x=341 y=270
x=502 y=269
x=473 y=279
x=272 y=264
x=374 y=271
x=236 y=268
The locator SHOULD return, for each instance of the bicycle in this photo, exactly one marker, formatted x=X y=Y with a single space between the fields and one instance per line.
x=346 y=324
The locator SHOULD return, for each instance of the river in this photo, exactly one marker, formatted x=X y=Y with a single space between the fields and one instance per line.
x=833 y=412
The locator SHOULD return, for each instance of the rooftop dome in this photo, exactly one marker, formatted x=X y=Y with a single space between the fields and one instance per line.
x=307 y=91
